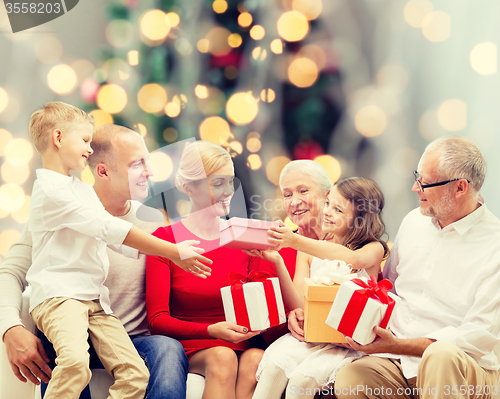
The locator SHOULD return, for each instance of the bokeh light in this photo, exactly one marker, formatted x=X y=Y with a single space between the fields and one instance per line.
x=267 y=95
x=172 y=109
x=216 y=130
x=483 y=58
x=116 y=70
x=311 y=9
x=155 y=26
x=170 y=134
x=7 y=238
x=161 y=165
x=19 y=152
x=274 y=168
x=119 y=33
x=452 y=115
x=254 y=162
x=48 y=49
x=219 y=6
x=5 y=138
x=415 y=11
x=15 y=174
x=259 y=53
x=254 y=144
x=23 y=213
x=174 y=19
x=133 y=57
x=303 y=72
x=314 y=53
x=242 y=108
x=277 y=46
x=201 y=91
x=111 y=98
x=87 y=177
x=101 y=118
x=257 y=32
x=245 y=19
x=4 y=99
x=436 y=26
x=293 y=26
x=218 y=41
x=62 y=79
x=143 y=131
x=152 y=98
x=331 y=165
x=236 y=146
x=203 y=45
x=234 y=40
x=88 y=89
x=370 y=121
x=290 y=224
x=11 y=197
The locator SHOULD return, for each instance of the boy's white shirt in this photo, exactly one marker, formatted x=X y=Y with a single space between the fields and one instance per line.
x=70 y=230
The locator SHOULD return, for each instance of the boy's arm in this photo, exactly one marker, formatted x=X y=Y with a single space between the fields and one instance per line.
x=24 y=351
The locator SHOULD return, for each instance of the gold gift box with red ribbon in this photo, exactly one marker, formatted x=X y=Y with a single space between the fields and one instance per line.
x=253 y=301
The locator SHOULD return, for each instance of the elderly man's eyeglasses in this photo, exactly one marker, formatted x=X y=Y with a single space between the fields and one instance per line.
x=441 y=183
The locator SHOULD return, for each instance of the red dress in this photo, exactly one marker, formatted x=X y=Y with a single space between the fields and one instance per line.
x=182 y=305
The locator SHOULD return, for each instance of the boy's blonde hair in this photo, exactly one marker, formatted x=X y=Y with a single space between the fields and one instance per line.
x=54 y=115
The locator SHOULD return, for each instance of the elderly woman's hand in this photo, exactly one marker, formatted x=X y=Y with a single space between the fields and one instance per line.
x=282 y=236
x=269 y=255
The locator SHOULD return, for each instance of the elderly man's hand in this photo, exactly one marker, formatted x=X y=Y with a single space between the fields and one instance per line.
x=385 y=342
x=26 y=355
x=296 y=323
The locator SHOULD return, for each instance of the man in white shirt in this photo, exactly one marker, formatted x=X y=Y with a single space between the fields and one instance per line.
x=445 y=266
x=118 y=167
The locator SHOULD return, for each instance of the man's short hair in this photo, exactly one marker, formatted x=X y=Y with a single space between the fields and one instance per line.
x=54 y=115
x=103 y=147
x=459 y=158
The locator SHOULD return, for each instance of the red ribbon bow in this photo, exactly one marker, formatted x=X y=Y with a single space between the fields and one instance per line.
x=234 y=278
x=356 y=305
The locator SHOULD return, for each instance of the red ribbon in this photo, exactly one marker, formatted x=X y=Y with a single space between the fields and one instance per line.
x=236 y=280
x=357 y=303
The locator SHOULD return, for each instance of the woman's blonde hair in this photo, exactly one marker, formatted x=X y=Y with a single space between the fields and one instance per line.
x=199 y=160
x=367 y=202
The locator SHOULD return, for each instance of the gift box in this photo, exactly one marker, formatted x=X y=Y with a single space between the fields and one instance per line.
x=359 y=306
x=243 y=233
x=254 y=301
x=318 y=299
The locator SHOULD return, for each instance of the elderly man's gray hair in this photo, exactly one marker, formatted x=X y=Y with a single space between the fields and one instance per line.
x=460 y=159
x=312 y=169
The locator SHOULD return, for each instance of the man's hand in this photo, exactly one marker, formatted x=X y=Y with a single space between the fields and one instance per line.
x=190 y=259
x=296 y=323
x=26 y=355
x=230 y=332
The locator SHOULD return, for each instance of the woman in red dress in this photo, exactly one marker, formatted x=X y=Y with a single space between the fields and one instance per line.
x=190 y=309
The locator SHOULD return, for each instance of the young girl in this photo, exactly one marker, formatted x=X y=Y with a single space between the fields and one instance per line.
x=354 y=227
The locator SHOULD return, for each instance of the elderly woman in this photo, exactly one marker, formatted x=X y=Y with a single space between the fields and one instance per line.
x=304 y=184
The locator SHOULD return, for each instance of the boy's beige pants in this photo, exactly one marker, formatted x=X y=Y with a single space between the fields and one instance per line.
x=67 y=323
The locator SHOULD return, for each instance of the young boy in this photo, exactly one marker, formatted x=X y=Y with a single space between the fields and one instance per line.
x=70 y=230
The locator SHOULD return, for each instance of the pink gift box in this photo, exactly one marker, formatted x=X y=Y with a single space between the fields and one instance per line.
x=243 y=233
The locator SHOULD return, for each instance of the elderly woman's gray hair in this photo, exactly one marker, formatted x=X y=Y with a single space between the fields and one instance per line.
x=460 y=159
x=311 y=169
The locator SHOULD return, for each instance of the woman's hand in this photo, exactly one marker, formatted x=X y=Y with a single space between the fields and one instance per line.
x=189 y=259
x=269 y=255
x=230 y=332
x=282 y=236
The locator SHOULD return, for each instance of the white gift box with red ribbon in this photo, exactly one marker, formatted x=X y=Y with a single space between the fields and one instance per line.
x=256 y=305
x=360 y=305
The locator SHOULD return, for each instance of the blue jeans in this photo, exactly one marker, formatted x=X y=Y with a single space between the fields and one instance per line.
x=164 y=356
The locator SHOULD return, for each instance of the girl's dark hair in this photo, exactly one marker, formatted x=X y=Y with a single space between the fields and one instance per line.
x=367 y=202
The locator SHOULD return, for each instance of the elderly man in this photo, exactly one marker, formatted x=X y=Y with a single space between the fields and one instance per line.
x=119 y=165
x=445 y=266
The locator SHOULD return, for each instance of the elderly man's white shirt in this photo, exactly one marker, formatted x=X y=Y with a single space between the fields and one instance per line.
x=449 y=283
x=70 y=230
